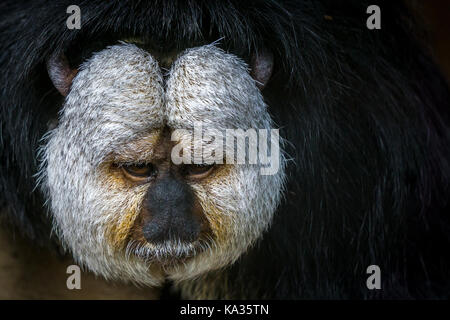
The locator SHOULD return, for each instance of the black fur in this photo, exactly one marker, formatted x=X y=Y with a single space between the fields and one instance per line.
x=366 y=114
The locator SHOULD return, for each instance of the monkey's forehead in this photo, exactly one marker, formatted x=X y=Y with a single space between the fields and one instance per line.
x=123 y=86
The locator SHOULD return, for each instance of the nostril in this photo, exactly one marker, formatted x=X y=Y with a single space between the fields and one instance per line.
x=153 y=232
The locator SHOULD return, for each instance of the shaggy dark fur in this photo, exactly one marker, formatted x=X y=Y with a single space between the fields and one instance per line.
x=366 y=114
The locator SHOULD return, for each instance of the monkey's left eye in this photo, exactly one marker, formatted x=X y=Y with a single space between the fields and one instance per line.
x=138 y=172
x=198 y=171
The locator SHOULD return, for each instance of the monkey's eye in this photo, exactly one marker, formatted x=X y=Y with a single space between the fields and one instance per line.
x=139 y=172
x=198 y=171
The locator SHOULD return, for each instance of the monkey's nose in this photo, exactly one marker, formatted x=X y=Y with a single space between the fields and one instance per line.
x=170 y=204
x=175 y=227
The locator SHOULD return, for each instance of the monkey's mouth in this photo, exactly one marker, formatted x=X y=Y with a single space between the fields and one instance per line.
x=167 y=252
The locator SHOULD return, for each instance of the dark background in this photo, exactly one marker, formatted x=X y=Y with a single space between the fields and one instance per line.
x=436 y=14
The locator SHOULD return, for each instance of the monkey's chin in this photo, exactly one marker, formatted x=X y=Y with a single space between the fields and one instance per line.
x=168 y=253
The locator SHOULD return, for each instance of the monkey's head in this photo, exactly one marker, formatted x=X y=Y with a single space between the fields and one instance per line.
x=120 y=203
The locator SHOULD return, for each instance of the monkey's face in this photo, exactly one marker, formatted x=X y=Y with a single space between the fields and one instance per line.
x=120 y=203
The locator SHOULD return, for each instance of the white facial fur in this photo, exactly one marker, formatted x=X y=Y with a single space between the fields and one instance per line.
x=117 y=100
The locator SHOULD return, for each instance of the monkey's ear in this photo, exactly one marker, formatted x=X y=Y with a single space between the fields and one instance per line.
x=60 y=73
x=261 y=67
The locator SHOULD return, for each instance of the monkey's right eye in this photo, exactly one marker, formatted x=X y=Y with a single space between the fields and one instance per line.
x=138 y=172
